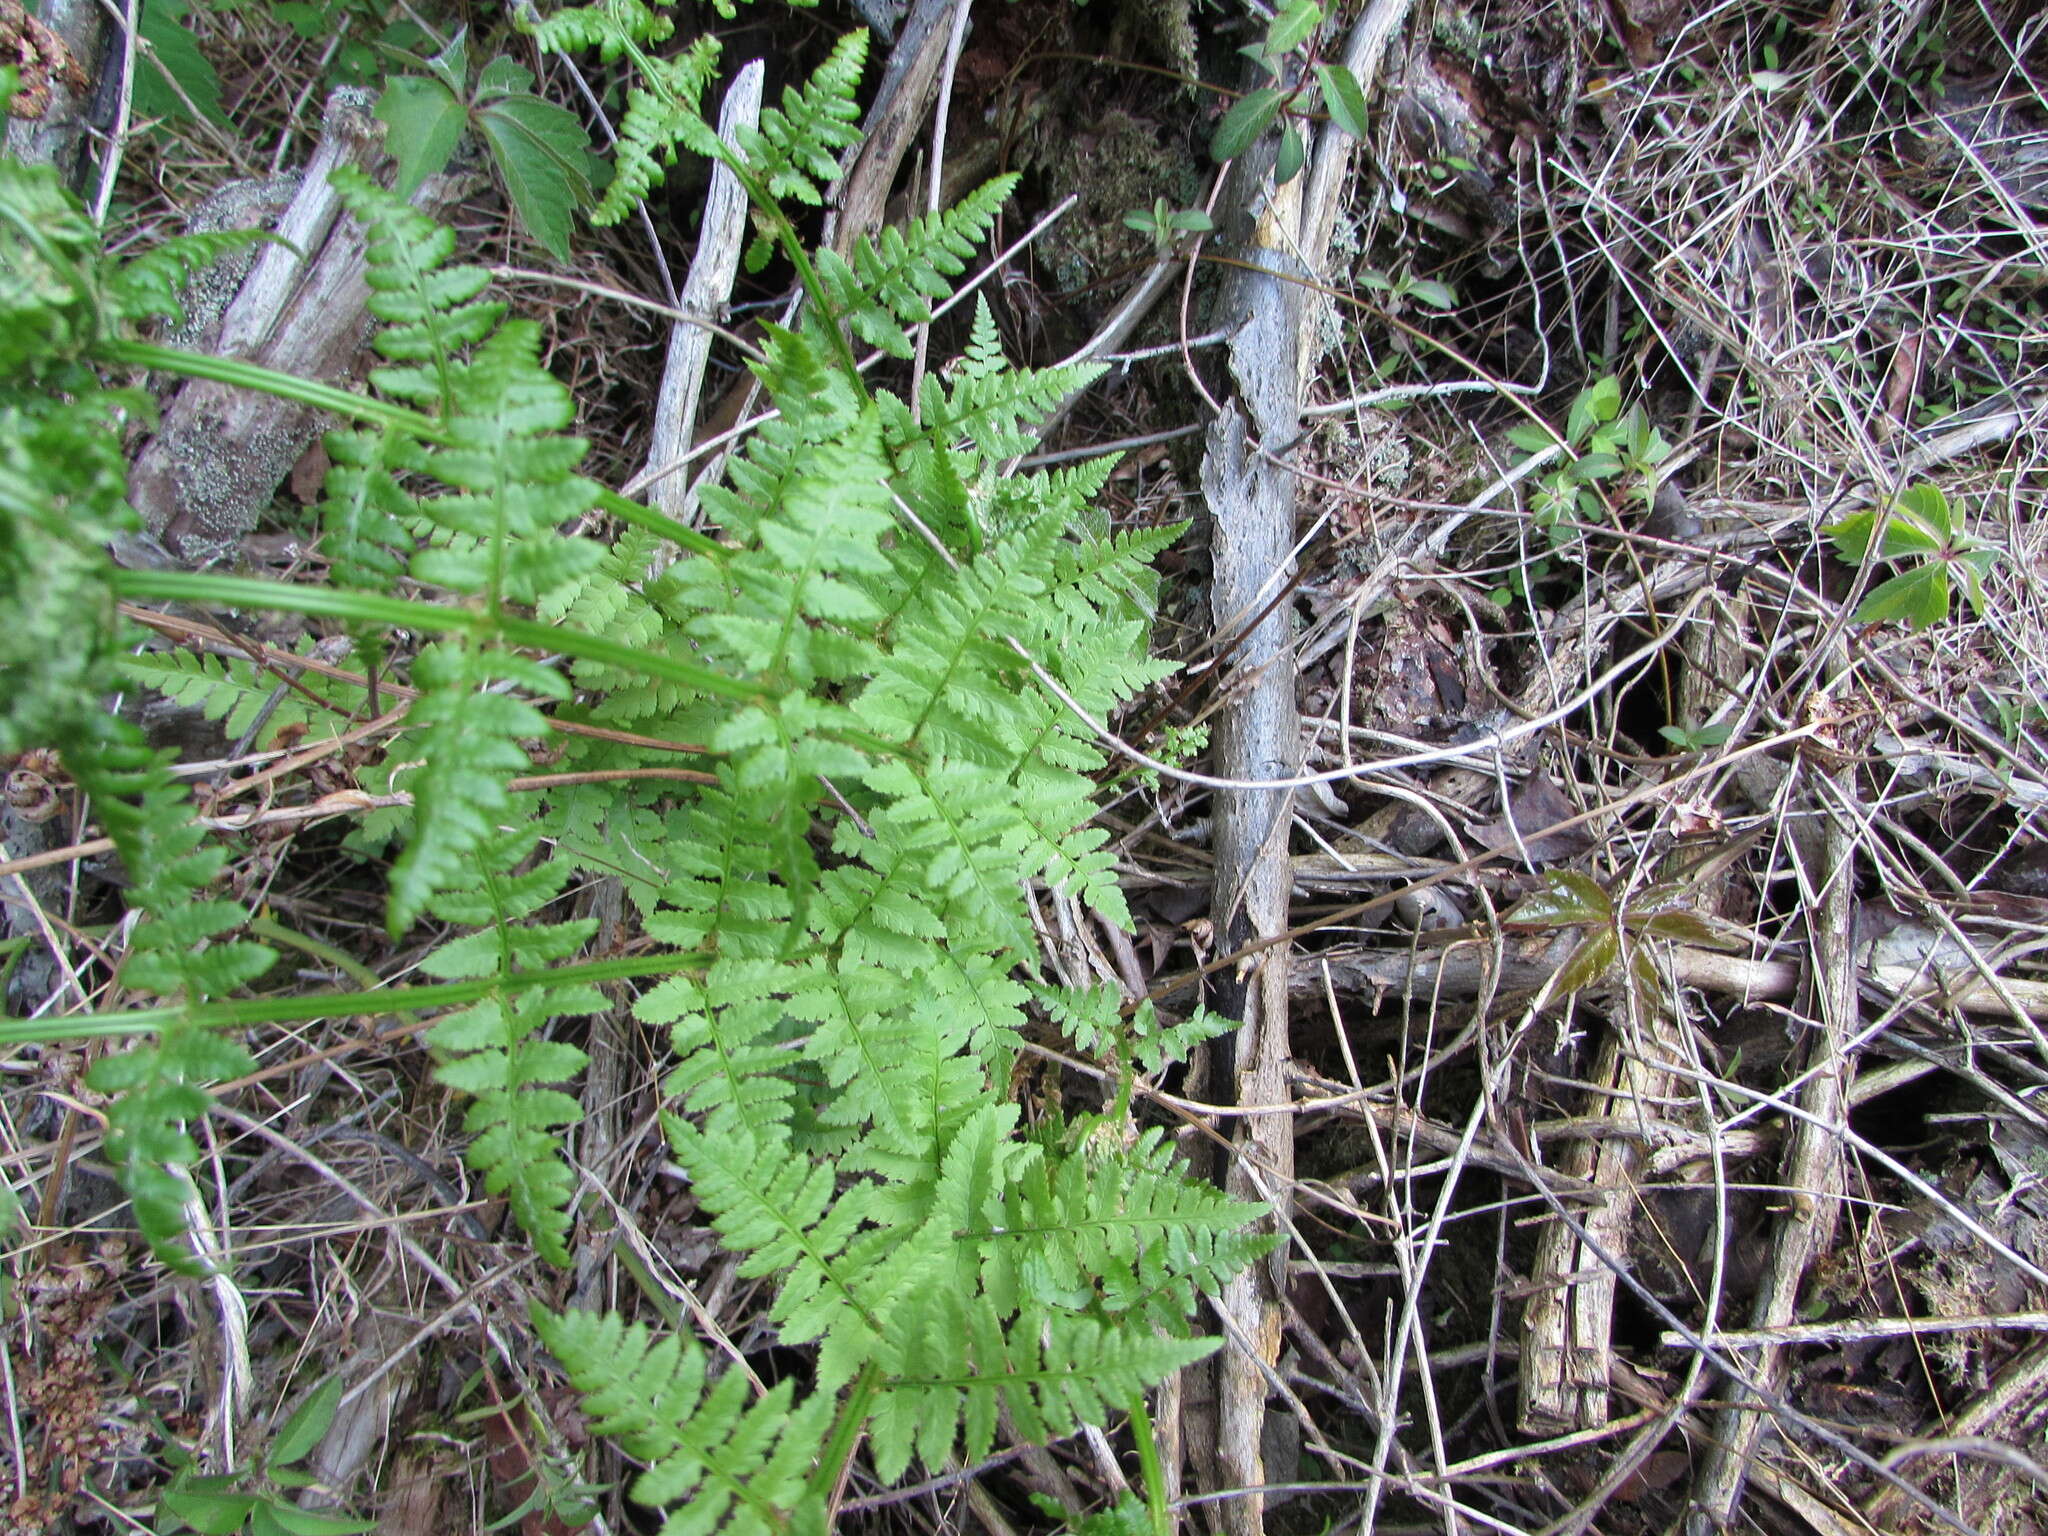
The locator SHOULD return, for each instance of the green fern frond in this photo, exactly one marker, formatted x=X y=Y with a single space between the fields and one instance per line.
x=720 y=1463
x=152 y=285
x=1116 y=1231
x=818 y=401
x=990 y=405
x=1093 y=1020
x=364 y=508
x=234 y=691
x=61 y=296
x=950 y=675
x=661 y=115
x=495 y=1053
x=430 y=310
x=514 y=483
x=958 y=821
x=890 y=284
x=861 y=658
x=159 y=1090
x=841 y=1278
x=178 y=952
x=949 y=1371
x=63 y=495
x=1066 y=495
x=468 y=738
x=611 y=27
x=1100 y=664
x=795 y=150
x=729 y=1034
x=513 y=480
x=790 y=610
x=512 y=1113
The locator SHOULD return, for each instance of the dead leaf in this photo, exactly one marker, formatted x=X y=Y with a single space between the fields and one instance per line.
x=1534 y=806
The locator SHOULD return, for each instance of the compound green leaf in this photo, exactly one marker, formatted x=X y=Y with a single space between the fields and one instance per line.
x=1918 y=597
x=1567 y=899
x=541 y=152
x=1589 y=962
x=425 y=121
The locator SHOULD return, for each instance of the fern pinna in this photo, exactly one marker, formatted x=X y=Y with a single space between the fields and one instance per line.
x=864 y=668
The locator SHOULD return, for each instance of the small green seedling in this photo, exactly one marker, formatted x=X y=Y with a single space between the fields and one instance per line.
x=1602 y=442
x=1166 y=224
x=1695 y=738
x=1920 y=532
x=1426 y=291
x=260 y=1503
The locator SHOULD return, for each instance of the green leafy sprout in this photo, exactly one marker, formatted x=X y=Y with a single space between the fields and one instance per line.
x=1601 y=444
x=258 y=1499
x=1920 y=532
x=1293 y=28
x=1611 y=933
x=1167 y=224
x=1695 y=738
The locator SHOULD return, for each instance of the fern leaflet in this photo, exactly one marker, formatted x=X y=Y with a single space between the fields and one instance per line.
x=728 y=1464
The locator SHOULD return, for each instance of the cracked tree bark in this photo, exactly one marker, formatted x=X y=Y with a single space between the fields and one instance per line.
x=1281 y=235
x=220 y=453
x=1258 y=736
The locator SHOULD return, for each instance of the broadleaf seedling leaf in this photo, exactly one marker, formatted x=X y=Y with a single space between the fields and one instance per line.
x=306 y=1522
x=1430 y=292
x=1852 y=535
x=1291 y=158
x=1903 y=538
x=175 y=52
x=210 y=1514
x=1292 y=26
x=540 y=150
x=297 y=1436
x=1925 y=505
x=1567 y=899
x=1589 y=962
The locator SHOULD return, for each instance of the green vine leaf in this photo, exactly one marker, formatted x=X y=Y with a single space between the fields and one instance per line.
x=1591 y=960
x=425 y=119
x=1249 y=117
x=1566 y=899
x=177 y=73
x=541 y=150
x=1343 y=99
x=1919 y=597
